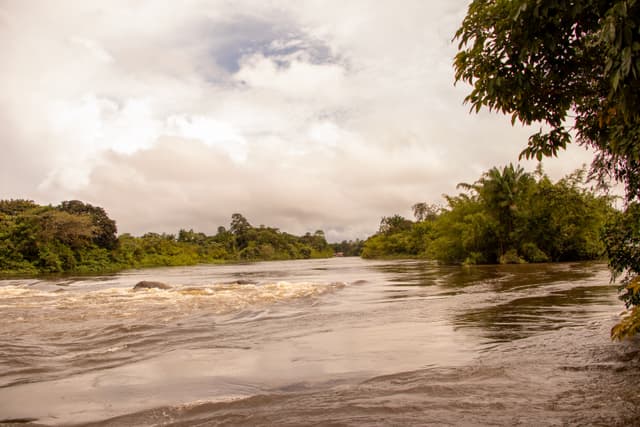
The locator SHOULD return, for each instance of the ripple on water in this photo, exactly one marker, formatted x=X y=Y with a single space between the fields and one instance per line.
x=49 y=334
x=413 y=344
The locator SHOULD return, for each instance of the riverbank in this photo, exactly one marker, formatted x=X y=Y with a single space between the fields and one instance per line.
x=76 y=237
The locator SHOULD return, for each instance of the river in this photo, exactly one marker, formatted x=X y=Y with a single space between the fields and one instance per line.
x=334 y=342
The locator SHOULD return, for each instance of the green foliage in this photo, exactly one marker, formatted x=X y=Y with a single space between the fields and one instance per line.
x=15 y=207
x=630 y=323
x=628 y=326
x=532 y=253
x=44 y=239
x=394 y=224
x=397 y=237
x=424 y=211
x=78 y=237
x=348 y=248
x=506 y=216
x=571 y=66
x=242 y=242
x=463 y=233
x=511 y=257
x=540 y=61
x=153 y=249
x=104 y=228
x=387 y=245
x=573 y=219
x=622 y=237
x=240 y=228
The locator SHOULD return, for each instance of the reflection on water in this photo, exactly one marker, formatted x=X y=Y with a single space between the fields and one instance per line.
x=324 y=342
x=523 y=316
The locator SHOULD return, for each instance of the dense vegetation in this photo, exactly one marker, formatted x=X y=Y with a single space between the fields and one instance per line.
x=506 y=216
x=348 y=247
x=78 y=237
x=575 y=68
x=622 y=238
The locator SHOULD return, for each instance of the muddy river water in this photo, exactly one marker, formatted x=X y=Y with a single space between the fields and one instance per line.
x=335 y=342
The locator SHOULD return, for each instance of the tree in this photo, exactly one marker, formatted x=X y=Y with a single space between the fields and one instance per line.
x=425 y=212
x=622 y=239
x=348 y=248
x=394 y=224
x=501 y=191
x=573 y=67
x=316 y=240
x=510 y=216
x=191 y=236
x=464 y=233
x=240 y=228
x=15 y=207
x=72 y=230
x=105 y=235
x=239 y=224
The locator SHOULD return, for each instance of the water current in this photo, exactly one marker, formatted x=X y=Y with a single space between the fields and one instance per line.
x=336 y=342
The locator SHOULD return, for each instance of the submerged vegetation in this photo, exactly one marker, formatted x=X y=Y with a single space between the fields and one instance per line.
x=506 y=216
x=78 y=237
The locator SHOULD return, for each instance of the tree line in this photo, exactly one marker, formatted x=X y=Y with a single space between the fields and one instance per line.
x=77 y=237
x=506 y=216
x=573 y=68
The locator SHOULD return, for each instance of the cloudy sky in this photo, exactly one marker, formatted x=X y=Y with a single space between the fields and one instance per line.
x=301 y=115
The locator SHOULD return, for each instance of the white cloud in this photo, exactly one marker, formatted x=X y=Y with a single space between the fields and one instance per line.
x=302 y=115
x=211 y=132
x=93 y=48
x=296 y=79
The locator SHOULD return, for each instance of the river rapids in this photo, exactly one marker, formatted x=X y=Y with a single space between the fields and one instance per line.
x=336 y=342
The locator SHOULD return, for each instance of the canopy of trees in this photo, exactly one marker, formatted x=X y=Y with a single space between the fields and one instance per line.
x=506 y=216
x=574 y=67
x=78 y=237
x=568 y=65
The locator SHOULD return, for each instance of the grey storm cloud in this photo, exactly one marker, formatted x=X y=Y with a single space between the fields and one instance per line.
x=300 y=115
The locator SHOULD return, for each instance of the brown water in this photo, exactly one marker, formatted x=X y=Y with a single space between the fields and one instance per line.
x=325 y=342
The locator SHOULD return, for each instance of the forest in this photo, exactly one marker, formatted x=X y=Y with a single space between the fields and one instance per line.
x=506 y=216
x=78 y=237
x=574 y=69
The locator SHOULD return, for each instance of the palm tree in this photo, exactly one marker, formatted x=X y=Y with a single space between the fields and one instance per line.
x=501 y=190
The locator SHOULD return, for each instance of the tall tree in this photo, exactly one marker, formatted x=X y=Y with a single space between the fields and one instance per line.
x=566 y=65
x=394 y=224
x=574 y=68
x=105 y=234
x=240 y=228
x=501 y=190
